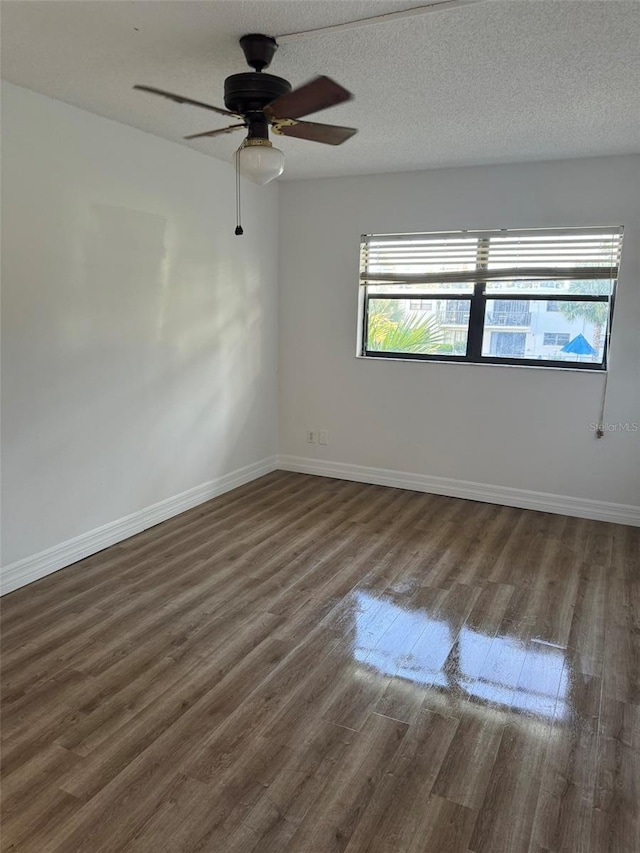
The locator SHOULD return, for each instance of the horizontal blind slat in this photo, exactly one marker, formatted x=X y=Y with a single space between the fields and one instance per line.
x=540 y=273
x=497 y=234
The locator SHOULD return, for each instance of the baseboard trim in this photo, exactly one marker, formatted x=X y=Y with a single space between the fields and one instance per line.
x=32 y=568
x=29 y=569
x=484 y=492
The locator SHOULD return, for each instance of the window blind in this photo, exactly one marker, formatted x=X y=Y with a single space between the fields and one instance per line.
x=505 y=255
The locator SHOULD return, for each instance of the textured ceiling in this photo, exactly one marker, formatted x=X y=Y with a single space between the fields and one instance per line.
x=491 y=82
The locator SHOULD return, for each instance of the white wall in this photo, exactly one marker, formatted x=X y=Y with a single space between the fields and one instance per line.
x=523 y=428
x=139 y=347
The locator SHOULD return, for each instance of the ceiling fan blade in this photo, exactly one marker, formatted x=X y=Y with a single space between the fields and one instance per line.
x=315 y=95
x=222 y=130
x=330 y=134
x=180 y=99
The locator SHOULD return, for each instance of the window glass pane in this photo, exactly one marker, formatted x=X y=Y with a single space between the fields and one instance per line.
x=597 y=287
x=455 y=288
x=520 y=328
x=431 y=327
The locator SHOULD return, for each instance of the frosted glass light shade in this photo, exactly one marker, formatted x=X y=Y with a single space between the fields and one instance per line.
x=260 y=162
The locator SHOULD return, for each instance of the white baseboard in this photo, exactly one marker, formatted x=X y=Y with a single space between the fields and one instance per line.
x=37 y=566
x=484 y=492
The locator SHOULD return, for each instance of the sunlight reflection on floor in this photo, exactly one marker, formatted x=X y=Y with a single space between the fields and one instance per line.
x=500 y=671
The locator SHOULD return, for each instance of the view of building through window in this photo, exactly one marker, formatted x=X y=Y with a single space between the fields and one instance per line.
x=531 y=329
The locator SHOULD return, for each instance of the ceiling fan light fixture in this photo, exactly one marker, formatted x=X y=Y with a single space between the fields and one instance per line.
x=260 y=162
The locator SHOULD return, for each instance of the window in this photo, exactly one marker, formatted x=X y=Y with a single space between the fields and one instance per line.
x=419 y=305
x=482 y=296
x=555 y=339
x=509 y=312
x=509 y=344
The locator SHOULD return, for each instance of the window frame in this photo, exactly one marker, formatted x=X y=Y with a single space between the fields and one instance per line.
x=478 y=299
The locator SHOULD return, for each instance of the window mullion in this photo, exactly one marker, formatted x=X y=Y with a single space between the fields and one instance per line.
x=478 y=302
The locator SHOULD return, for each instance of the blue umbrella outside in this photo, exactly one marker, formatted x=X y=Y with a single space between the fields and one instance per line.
x=579 y=346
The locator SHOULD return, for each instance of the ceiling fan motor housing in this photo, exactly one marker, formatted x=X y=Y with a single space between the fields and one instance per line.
x=251 y=91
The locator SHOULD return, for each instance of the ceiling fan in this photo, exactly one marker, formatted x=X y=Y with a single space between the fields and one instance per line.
x=261 y=101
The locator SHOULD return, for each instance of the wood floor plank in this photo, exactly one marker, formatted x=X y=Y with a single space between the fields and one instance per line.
x=444 y=826
x=507 y=813
x=269 y=821
x=336 y=812
x=306 y=665
x=616 y=817
x=467 y=766
x=394 y=816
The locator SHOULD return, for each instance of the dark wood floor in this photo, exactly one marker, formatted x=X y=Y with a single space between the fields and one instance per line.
x=313 y=665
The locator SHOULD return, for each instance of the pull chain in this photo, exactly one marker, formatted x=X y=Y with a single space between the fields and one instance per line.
x=238 y=231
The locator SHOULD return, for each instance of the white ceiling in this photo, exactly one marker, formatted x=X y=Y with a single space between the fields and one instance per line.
x=492 y=82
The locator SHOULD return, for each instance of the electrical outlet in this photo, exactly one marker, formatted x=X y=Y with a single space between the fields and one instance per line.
x=323 y=436
x=311 y=436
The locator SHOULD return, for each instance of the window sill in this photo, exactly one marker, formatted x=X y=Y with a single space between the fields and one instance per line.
x=402 y=360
